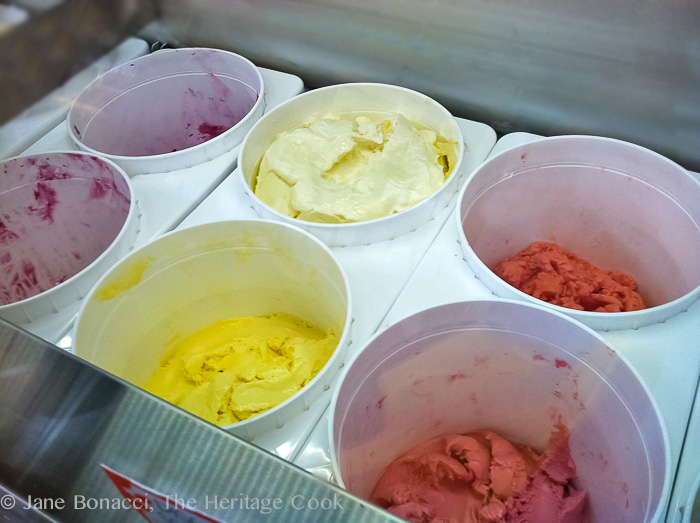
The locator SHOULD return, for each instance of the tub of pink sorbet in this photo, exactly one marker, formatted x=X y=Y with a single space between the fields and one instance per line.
x=519 y=370
x=65 y=218
x=169 y=110
x=616 y=205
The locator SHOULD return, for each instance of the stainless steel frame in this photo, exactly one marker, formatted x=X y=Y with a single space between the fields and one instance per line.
x=62 y=418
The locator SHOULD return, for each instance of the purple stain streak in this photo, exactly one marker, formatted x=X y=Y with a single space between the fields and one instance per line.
x=561 y=363
x=210 y=131
x=6 y=235
x=224 y=91
x=87 y=162
x=101 y=187
x=5 y=298
x=46 y=201
x=50 y=172
x=29 y=272
x=22 y=285
x=6 y=258
x=77 y=131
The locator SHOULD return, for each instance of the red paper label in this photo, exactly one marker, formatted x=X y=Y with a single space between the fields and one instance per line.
x=155 y=506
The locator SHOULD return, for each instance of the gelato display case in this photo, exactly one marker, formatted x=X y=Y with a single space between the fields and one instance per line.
x=250 y=261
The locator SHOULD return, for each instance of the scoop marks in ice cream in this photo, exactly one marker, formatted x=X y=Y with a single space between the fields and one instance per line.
x=479 y=477
x=235 y=369
x=548 y=272
x=340 y=169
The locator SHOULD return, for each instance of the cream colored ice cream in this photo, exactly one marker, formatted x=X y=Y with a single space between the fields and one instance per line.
x=238 y=368
x=349 y=168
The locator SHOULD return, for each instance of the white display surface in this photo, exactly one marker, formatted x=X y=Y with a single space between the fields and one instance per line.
x=377 y=272
x=666 y=355
x=688 y=475
x=388 y=280
x=163 y=199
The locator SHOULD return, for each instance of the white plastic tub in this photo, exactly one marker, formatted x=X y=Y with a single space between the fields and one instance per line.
x=191 y=278
x=169 y=110
x=354 y=98
x=617 y=205
x=514 y=368
x=65 y=218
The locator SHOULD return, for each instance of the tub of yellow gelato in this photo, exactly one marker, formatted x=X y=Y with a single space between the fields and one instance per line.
x=353 y=164
x=242 y=323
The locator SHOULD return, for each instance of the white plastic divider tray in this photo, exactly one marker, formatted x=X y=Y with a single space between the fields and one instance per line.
x=688 y=475
x=163 y=199
x=667 y=355
x=377 y=272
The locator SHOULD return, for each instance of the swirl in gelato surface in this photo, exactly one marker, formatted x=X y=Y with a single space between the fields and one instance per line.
x=352 y=168
x=235 y=369
x=480 y=477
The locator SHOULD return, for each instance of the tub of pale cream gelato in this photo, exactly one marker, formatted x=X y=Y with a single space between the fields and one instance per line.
x=353 y=163
x=169 y=110
x=65 y=218
x=500 y=411
x=602 y=230
x=242 y=323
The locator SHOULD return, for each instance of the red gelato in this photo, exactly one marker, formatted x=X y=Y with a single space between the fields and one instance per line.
x=548 y=272
x=479 y=477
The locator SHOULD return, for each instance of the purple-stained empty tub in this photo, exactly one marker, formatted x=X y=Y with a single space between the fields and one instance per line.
x=168 y=110
x=60 y=213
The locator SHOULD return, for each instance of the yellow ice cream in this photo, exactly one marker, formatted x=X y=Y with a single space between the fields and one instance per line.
x=340 y=169
x=237 y=368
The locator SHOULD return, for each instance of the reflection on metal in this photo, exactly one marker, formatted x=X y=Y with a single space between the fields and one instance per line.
x=61 y=419
x=59 y=40
x=15 y=508
x=624 y=69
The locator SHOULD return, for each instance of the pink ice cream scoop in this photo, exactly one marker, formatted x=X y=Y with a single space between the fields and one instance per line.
x=480 y=477
x=58 y=213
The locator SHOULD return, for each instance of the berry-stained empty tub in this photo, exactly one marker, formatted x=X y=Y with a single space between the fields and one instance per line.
x=65 y=217
x=169 y=110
